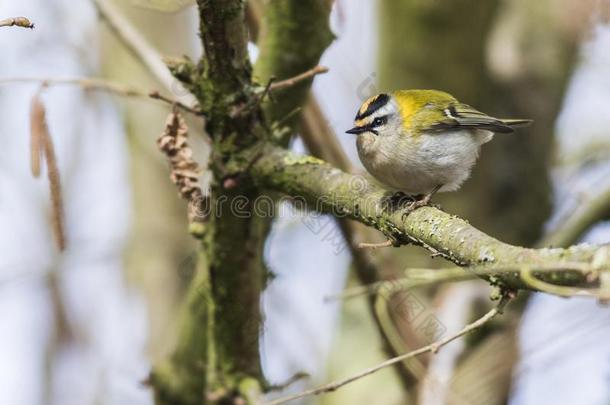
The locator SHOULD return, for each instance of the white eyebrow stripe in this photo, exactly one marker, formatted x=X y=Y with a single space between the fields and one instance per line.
x=385 y=110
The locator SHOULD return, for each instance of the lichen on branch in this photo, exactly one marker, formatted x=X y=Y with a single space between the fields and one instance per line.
x=328 y=189
x=232 y=244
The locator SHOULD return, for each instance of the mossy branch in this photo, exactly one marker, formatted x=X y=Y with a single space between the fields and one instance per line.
x=294 y=34
x=217 y=360
x=225 y=38
x=328 y=189
x=227 y=342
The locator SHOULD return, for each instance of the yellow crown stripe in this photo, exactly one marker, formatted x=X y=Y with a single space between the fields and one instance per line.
x=366 y=104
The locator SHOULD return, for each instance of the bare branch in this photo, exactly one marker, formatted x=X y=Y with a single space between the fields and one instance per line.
x=584 y=216
x=91 y=83
x=158 y=96
x=531 y=280
x=418 y=277
x=431 y=348
x=282 y=386
x=143 y=50
x=280 y=85
x=87 y=83
x=368 y=245
x=17 y=22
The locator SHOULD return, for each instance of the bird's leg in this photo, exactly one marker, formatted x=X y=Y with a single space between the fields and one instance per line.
x=396 y=200
x=421 y=202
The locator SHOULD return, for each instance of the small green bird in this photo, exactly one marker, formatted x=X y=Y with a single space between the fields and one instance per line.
x=419 y=142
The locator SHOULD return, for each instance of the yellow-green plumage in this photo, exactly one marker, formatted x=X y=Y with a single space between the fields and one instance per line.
x=421 y=109
x=420 y=141
x=434 y=111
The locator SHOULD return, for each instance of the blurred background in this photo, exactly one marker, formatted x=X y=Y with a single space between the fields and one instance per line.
x=85 y=326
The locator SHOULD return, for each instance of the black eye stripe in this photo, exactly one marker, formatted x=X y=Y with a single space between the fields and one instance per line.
x=379 y=121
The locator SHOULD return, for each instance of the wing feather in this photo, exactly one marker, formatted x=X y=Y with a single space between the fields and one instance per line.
x=462 y=116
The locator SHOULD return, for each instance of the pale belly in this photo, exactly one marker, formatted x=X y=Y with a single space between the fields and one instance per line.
x=418 y=166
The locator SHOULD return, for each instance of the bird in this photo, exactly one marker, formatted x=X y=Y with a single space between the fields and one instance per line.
x=419 y=142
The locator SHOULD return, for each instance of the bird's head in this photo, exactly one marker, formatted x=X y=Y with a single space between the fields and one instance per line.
x=401 y=113
x=376 y=116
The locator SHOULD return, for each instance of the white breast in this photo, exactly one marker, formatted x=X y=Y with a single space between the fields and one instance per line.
x=418 y=165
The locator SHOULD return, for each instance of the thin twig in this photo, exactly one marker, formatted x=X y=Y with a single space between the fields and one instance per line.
x=587 y=213
x=560 y=290
x=282 y=386
x=92 y=83
x=158 y=96
x=431 y=348
x=368 y=245
x=254 y=102
x=17 y=22
x=143 y=50
x=266 y=91
x=272 y=85
x=282 y=84
x=87 y=83
x=405 y=283
x=417 y=277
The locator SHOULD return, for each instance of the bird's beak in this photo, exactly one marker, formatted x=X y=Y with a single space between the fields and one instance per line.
x=356 y=130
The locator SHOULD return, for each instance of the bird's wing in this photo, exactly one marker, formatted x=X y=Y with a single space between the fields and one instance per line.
x=462 y=116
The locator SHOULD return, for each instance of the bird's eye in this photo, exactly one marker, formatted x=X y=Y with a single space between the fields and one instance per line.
x=378 y=121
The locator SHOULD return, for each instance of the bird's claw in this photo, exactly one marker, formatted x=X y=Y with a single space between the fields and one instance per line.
x=397 y=200
x=415 y=204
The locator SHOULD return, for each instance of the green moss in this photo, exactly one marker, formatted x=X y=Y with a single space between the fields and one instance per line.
x=294 y=159
x=197 y=229
x=249 y=389
x=295 y=33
